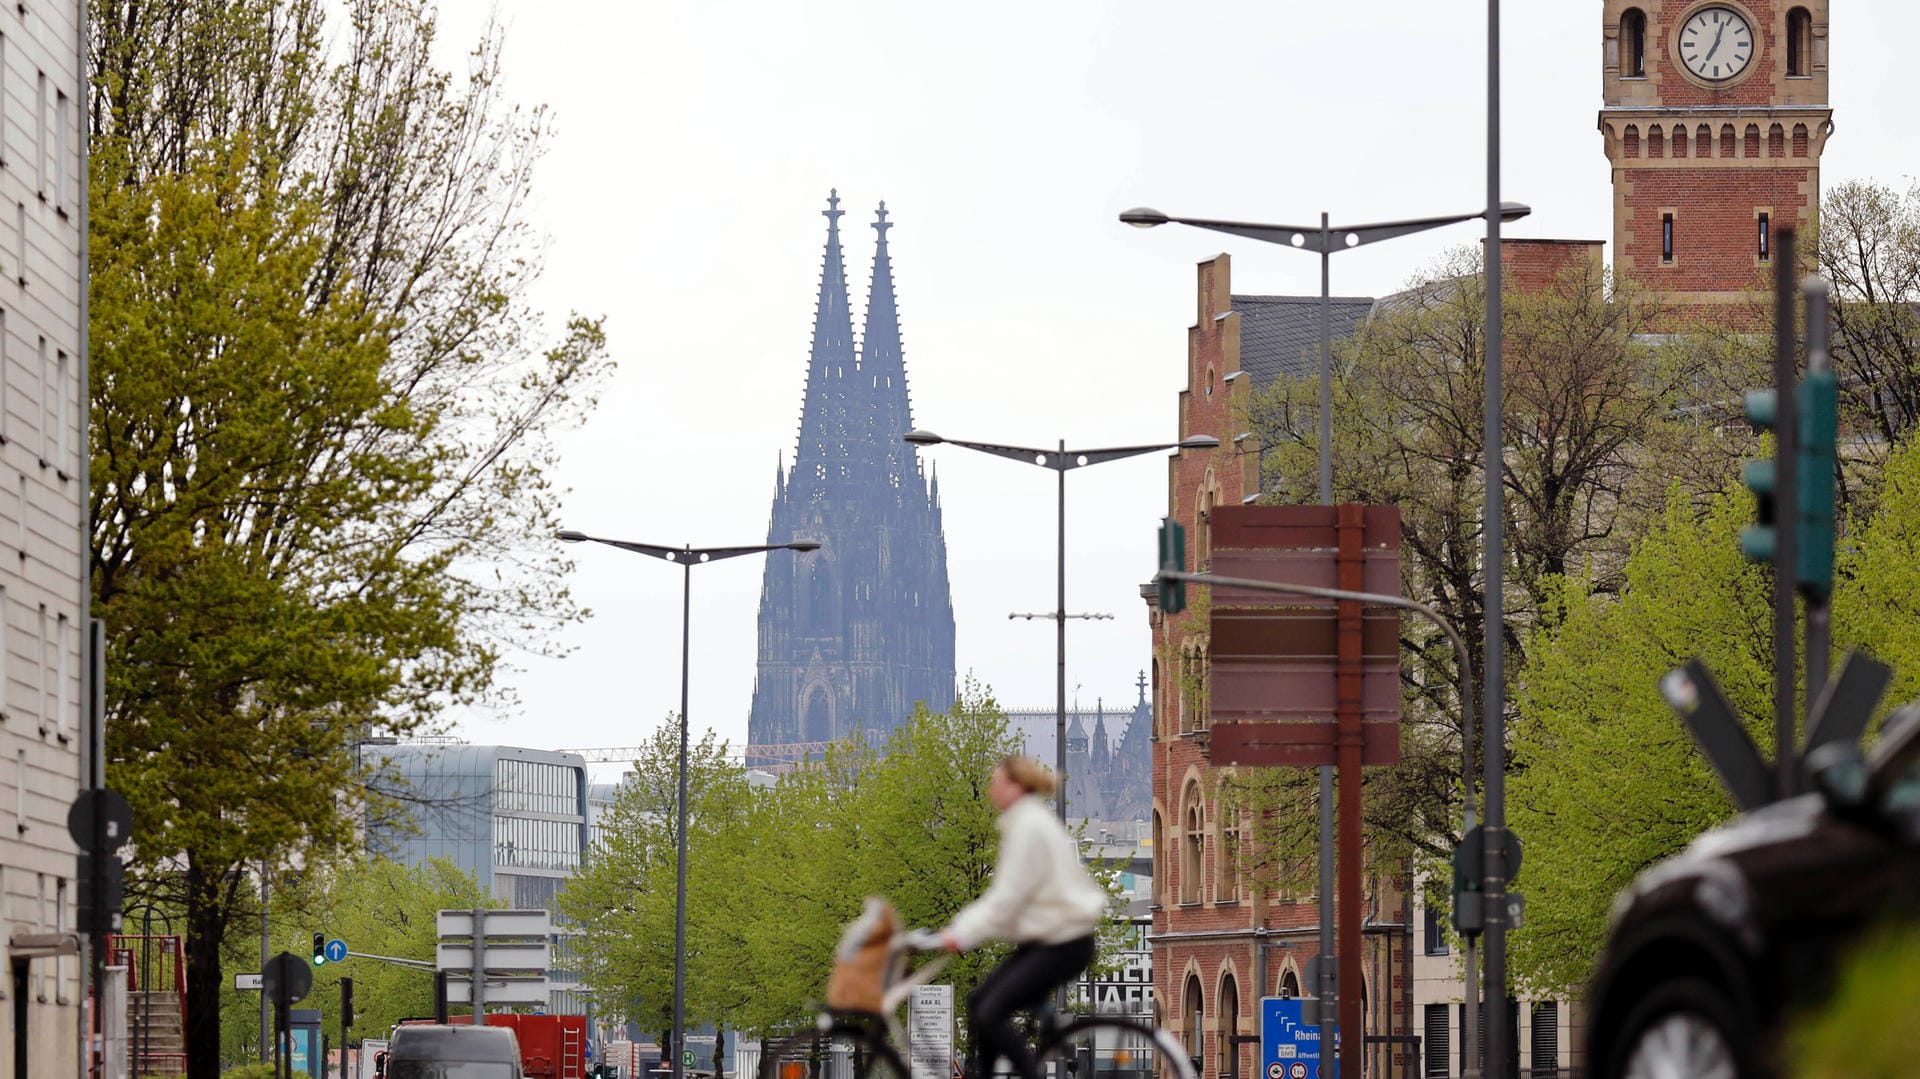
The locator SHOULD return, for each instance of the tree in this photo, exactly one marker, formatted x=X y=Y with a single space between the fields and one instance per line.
x=1868 y=247
x=319 y=496
x=776 y=873
x=378 y=907
x=1607 y=781
x=1592 y=410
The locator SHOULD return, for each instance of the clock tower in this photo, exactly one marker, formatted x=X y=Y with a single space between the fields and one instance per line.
x=1715 y=115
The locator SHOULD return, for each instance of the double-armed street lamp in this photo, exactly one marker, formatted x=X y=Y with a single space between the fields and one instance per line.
x=1062 y=461
x=1325 y=240
x=687 y=557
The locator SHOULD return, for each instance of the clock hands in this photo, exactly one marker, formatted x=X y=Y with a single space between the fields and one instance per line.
x=1718 y=34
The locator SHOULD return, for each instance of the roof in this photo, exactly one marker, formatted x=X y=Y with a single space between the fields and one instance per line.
x=1281 y=334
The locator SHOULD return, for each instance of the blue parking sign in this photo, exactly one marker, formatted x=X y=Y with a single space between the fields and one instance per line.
x=1289 y=1049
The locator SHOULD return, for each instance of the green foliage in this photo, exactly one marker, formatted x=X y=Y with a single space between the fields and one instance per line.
x=320 y=405
x=775 y=873
x=1607 y=780
x=1866 y=1031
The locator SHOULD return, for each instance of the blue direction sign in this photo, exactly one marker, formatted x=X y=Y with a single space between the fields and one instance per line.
x=336 y=950
x=1289 y=1049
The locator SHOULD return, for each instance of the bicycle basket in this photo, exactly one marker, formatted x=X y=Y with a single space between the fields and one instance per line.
x=860 y=962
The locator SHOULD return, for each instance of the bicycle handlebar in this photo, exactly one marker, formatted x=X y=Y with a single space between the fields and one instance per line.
x=922 y=940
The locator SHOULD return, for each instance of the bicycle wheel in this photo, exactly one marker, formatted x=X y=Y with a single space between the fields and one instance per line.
x=1110 y=1047
x=838 y=1049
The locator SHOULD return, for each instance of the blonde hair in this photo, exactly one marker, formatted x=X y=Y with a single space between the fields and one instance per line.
x=1030 y=774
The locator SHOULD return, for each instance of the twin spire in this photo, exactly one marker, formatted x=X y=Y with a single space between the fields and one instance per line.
x=857 y=406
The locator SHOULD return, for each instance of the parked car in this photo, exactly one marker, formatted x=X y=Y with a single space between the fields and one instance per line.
x=1712 y=953
x=439 y=1051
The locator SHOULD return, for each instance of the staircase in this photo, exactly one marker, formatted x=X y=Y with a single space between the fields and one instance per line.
x=156 y=1036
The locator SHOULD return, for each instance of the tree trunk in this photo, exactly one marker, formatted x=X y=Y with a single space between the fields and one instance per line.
x=206 y=928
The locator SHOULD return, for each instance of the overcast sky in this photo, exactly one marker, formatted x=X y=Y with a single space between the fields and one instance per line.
x=695 y=144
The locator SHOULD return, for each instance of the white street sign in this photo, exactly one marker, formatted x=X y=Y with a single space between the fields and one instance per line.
x=503 y=958
x=247 y=981
x=930 y=1031
x=510 y=991
x=454 y=924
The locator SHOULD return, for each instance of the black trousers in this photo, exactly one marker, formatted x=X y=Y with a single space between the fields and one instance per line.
x=1021 y=981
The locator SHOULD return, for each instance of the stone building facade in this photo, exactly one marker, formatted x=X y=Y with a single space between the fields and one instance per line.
x=854 y=635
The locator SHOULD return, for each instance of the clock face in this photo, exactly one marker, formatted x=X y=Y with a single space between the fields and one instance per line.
x=1716 y=44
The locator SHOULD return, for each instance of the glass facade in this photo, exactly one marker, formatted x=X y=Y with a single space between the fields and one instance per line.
x=536 y=844
x=521 y=786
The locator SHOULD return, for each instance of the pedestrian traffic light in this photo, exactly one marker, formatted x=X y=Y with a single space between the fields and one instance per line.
x=1173 y=556
x=319 y=949
x=1758 y=540
x=1816 y=416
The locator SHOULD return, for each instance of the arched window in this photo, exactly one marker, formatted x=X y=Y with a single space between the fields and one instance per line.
x=1190 y=1010
x=1799 y=43
x=1289 y=984
x=1193 y=845
x=1630 y=142
x=818 y=725
x=1633 y=44
x=1227 y=1009
x=1226 y=860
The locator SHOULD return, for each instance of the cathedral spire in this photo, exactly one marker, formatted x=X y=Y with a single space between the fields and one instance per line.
x=825 y=426
x=883 y=370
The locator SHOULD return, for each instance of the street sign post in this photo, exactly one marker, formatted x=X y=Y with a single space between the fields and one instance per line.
x=930 y=1031
x=1289 y=1047
x=248 y=981
x=336 y=951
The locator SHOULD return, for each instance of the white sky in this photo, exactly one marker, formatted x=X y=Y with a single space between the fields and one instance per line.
x=695 y=145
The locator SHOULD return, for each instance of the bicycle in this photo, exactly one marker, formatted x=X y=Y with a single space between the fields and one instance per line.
x=1070 y=1047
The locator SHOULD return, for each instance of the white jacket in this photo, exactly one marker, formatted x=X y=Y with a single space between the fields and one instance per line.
x=1040 y=892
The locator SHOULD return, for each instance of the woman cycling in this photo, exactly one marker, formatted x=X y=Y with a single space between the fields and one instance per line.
x=1041 y=899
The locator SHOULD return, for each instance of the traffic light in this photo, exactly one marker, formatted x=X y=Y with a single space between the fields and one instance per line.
x=1816 y=416
x=1758 y=540
x=319 y=949
x=1173 y=556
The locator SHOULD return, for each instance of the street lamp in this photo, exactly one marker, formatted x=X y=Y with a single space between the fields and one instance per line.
x=1325 y=240
x=1062 y=461
x=687 y=557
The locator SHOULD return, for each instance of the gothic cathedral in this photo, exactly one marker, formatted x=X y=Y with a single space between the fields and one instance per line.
x=1714 y=113
x=857 y=633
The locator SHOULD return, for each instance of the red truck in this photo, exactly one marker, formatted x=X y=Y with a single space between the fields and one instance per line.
x=551 y=1046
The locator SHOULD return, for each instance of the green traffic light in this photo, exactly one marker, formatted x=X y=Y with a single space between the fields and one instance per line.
x=1762 y=408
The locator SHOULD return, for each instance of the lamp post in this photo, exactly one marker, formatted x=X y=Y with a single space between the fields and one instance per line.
x=1325 y=240
x=1062 y=461
x=687 y=557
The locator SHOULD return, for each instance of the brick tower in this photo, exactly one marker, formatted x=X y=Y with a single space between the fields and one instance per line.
x=853 y=636
x=1715 y=115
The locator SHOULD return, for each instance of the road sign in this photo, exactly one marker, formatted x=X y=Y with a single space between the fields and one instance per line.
x=930 y=1031
x=1286 y=1042
x=109 y=810
x=499 y=990
x=535 y=922
x=686 y=1058
x=287 y=979
x=336 y=950
x=248 y=981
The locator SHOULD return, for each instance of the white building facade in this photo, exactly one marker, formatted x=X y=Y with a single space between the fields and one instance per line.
x=46 y=749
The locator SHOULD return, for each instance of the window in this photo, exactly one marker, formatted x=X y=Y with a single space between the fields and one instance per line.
x=61 y=672
x=1799 y=43
x=49 y=394
x=1766 y=239
x=1666 y=237
x=1434 y=1047
x=40 y=133
x=1192 y=845
x=1228 y=1011
x=1633 y=44
x=1226 y=861
x=62 y=395
x=1433 y=933
x=1159 y=854
x=1546 y=1037
x=42 y=646
x=20 y=242
x=1289 y=985
x=62 y=118
x=1190 y=1009
x=20 y=538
